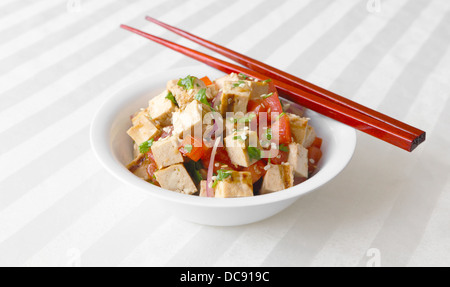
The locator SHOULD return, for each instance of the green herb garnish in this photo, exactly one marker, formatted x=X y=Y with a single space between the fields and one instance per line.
x=241 y=138
x=267 y=81
x=268 y=134
x=281 y=115
x=193 y=169
x=284 y=148
x=188 y=148
x=246 y=119
x=187 y=83
x=265 y=96
x=244 y=76
x=171 y=98
x=235 y=85
x=202 y=98
x=221 y=175
x=254 y=153
x=145 y=146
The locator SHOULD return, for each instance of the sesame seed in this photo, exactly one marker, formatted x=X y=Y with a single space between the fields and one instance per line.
x=217 y=165
x=312 y=161
x=267 y=167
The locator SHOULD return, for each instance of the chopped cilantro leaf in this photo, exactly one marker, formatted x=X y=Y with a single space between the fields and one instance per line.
x=193 y=169
x=187 y=83
x=201 y=97
x=171 y=98
x=268 y=134
x=235 y=85
x=284 y=148
x=244 y=76
x=246 y=119
x=267 y=81
x=254 y=153
x=145 y=146
x=265 y=96
x=221 y=175
x=188 y=148
x=281 y=115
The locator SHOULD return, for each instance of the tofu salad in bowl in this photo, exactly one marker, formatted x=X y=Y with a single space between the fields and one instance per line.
x=230 y=137
x=219 y=150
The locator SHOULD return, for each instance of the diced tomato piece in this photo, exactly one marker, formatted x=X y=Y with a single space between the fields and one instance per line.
x=193 y=148
x=317 y=142
x=281 y=130
x=273 y=102
x=314 y=156
x=257 y=170
x=254 y=106
x=220 y=160
x=282 y=156
x=206 y=80
x=151 y=168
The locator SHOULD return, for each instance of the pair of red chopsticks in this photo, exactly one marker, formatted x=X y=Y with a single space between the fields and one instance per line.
x=297 y=90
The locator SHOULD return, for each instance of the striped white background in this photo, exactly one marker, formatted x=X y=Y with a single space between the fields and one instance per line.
x=58 y=207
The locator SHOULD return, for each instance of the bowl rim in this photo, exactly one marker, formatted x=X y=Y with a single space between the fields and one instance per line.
x=100 y=142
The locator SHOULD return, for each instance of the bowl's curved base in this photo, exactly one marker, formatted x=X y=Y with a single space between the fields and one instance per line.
x=228 y=216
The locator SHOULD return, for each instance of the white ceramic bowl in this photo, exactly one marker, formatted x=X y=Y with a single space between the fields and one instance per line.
x=114 y=149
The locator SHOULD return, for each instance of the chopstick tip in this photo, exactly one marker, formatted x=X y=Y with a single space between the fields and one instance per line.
x=151 y=19
x=126 y=27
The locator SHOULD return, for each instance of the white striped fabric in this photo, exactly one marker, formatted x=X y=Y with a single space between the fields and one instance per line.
x=59 y=60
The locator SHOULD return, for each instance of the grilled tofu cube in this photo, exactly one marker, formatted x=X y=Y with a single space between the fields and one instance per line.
x=184 y=96
x=298 y=127
x=278 y=177
x=176 y=178
x=233 y=77
x=235 y=97
x=139 y=167
x=160 y=109
x=166 y=152
x=302 y=132
x=298 y=159
x=238 y=184
x=143 y=128
x=237 y=145
x=190 y=120
x=310 y=136
x=258 y=89
x=213 y=91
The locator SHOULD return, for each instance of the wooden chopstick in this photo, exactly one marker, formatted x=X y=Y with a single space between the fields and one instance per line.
x=292 y=80
x=362 y=122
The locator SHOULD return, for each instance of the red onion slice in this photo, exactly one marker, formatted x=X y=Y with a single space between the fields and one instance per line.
x=209 y=189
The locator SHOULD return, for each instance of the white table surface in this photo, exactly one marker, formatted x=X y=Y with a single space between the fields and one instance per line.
x=59 y=61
